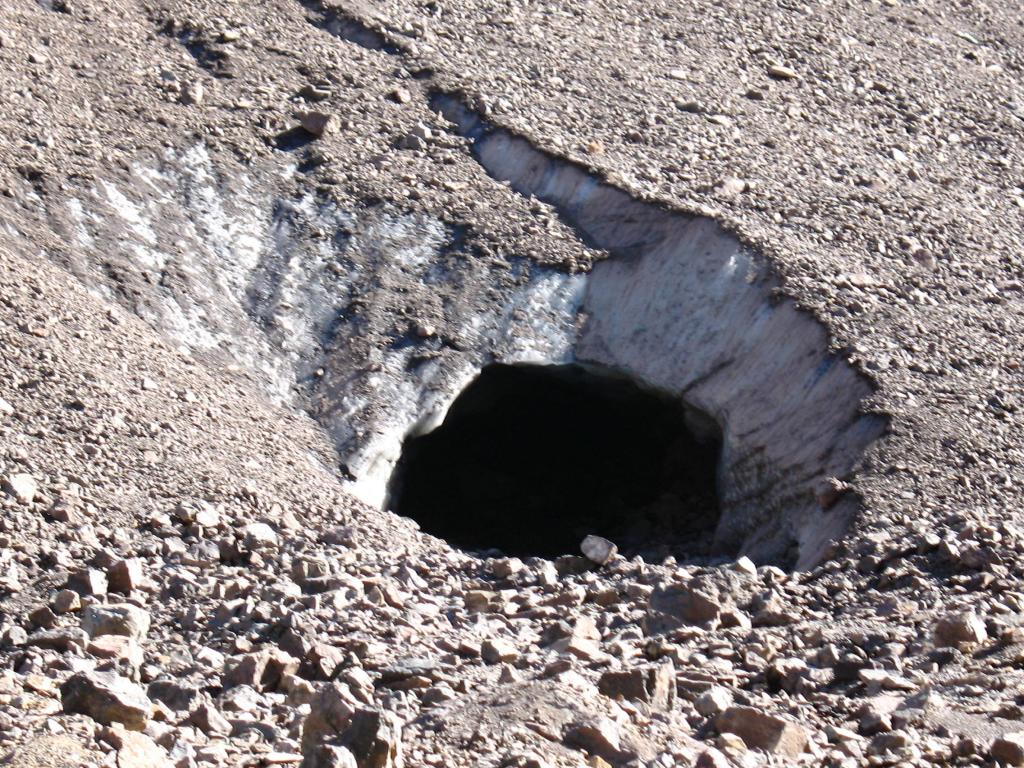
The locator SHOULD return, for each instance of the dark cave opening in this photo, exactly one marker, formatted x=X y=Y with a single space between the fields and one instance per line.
x=532 y=458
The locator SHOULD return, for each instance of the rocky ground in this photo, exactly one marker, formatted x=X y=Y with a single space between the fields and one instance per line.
x=184 y=579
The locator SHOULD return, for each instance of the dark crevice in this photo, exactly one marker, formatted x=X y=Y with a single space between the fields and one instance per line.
x=530 y=459
x=346 y=26
x=206 y=51
x=684 y=307
x=60 y=6
x=293 y=139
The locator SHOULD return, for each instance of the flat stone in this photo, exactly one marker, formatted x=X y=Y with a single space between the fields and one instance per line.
x=780 y=72
x=761 y=730
x=59 y=639
x=116 y=647
x=179 y=695
x=580 y=647
x=675 y=606
x=136 y=750
x=410 y=666
x=281 y=758
x=496 y=651
x=260 y=536
x=22 y=486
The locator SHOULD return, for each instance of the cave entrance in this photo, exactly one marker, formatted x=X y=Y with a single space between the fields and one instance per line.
x=532 y=458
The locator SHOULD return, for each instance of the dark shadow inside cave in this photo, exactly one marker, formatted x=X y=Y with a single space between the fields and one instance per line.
x=531 y=458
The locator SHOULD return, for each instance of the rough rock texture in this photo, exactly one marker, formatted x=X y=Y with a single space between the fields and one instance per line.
x=107 y=698
x=757 y=729
x=217 y=326
x=128 y=620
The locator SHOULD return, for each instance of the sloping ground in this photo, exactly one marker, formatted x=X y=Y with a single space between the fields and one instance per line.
x=186 y=278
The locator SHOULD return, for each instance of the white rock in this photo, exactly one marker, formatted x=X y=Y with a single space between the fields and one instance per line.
x=598 y=549
x=260 y=536
x=745 y=566
x=126 y=619
x=496 y=651
x=714 y=701
x=22 y=487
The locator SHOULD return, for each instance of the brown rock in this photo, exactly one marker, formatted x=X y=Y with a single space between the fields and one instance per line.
x=580 y=647
x=374 y=738
x=116 y=647
x=654 y=684
x=712 y=758
x=713 y=701
x=329 y=714
x=763 y=731
x=331 y=756
x=478 y=600
x=43 y=617
x=953 y=629
x=65 y=601
x=677 y=605
x=124 y=619
x=497 y=651
x=1008 y=749
x=106 y=698
x=262 y=670
x=135 y=750
x=207 y=718
x=88 y=581
x=318 y=123
x=335 y=727
x=322 y=660
x=125 y=575
x=58 y=639
x=600 y=738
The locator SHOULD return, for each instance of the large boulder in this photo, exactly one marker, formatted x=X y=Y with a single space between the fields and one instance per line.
x=338 y=728
x=761 y=730
x=106 y=698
